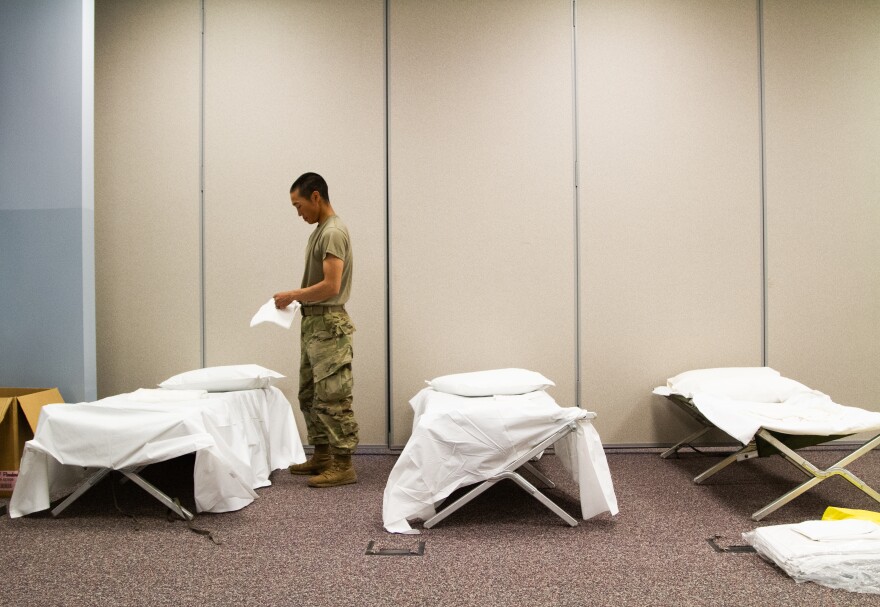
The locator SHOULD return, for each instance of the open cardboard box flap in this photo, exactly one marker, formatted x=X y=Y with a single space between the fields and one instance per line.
x=19 y=413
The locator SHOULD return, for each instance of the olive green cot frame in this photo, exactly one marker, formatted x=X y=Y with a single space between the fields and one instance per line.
x=768 y=443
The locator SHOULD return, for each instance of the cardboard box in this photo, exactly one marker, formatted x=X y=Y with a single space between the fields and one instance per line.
x=19 y=412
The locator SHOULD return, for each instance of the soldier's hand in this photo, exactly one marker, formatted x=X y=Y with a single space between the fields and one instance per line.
x=283 y=299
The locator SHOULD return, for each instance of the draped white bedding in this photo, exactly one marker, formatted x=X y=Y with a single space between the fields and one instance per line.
x=239 y=438
x=459 y=441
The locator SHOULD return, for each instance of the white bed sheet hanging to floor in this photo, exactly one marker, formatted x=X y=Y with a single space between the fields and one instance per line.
x=238 y=437
x=458 y=441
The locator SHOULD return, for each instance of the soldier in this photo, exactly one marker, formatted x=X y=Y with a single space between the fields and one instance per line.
x=325 y=380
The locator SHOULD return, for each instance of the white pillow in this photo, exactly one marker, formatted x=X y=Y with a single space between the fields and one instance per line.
x=754 y=384
x=490 y=383
x=700 y=375
x=223 y=379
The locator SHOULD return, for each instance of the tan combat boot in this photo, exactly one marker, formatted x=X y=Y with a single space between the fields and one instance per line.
x=340 y=472
x=316 y=464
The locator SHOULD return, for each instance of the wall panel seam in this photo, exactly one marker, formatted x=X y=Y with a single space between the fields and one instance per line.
x=389 y=417
x=576 y=204
x=202 y=294
x=762 y=152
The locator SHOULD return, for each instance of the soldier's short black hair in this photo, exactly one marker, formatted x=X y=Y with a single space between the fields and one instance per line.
x=308 y=183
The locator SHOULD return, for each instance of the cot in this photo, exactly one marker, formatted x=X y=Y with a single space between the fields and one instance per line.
x=460 y=441
x=238 y=438
x=769 y=415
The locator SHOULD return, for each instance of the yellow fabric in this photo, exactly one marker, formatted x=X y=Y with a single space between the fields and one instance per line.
x=833 y=513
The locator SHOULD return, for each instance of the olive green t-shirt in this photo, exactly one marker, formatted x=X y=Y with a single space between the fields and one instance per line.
x=329 y=238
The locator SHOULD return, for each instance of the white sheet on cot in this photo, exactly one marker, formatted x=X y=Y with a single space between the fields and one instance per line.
x=804 y=413
x=238 y=438
x=457 y=441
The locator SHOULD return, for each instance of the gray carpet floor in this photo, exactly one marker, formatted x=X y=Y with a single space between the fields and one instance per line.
x=306 y=547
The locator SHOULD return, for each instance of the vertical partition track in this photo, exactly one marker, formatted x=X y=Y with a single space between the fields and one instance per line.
x=388 y=402
x=90 y=370
x=202 y=191
x=576 y=203
x=763 y=186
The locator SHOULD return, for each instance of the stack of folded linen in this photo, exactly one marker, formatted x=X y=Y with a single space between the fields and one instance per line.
x=841 y=554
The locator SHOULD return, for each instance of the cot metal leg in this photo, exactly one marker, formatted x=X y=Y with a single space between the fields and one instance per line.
x=781 y=501
x=136 y=470
x=85 y=486
x=152 y=490
x=838 y=469
x=131 y=475
x=686 y=441
x=539 y=475
x=464 y=499
x=511 y=474
x=486 y=485
x=533 y=491
x=747 y=452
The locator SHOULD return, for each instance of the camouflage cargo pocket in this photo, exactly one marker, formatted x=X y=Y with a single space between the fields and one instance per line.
x=339 y=323
x=335 y=387
x=328 y=354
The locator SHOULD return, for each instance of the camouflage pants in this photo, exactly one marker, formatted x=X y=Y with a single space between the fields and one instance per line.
x=325 y=381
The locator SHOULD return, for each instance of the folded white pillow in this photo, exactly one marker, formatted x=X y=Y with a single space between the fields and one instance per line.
x=227 y=378
x=490 y=383
x=753 y=384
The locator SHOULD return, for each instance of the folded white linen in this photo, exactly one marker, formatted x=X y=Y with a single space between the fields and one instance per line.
x=848 y=564
x=458 y=441
x=269 y=313
x=836 y=530
x=160 y=395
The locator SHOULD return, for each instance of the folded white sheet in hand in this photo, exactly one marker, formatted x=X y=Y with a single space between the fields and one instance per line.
x=269 y=313
x=459 y=441
x=741 y=401
x=844 y=554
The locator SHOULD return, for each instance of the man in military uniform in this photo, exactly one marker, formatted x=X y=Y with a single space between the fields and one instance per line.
x=325 y=381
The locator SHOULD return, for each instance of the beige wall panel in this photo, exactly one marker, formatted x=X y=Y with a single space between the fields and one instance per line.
x=293 y=87
x=822 y=105
x=670 y=199
x=481 y=168
x=146 y=191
